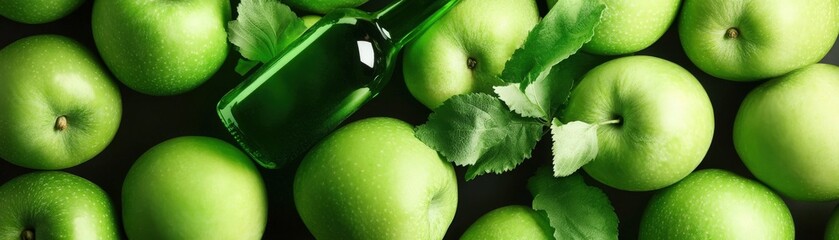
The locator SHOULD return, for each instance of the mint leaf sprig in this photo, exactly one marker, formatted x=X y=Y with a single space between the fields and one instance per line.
x=496 y=134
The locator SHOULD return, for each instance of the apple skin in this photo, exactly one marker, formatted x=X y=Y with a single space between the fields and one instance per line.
x=194 y=188
x=630 y=26
x=37 y=11
x=832 y=229
x=716 y=204
x=785 y=133
x=510 y=222
x=372 y=179
x=439 y=63
x=45 y=78
x=323 y=6
x=666 y=121
x=310 y=20
x=774 y=37
x=162 y=47
x=56 y=205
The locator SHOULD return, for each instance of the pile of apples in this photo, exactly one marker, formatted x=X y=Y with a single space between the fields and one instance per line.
x=60 y=107
x=784 y=131
x=372 y=178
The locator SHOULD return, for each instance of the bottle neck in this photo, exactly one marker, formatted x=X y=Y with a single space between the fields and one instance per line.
x=403 y=20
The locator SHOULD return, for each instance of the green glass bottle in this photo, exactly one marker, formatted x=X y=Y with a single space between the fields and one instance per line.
x=290 y=103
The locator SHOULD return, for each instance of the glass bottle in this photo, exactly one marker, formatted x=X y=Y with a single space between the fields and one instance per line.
x=292 y=102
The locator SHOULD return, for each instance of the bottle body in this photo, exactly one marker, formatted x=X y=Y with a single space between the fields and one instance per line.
x=289 y=104
x=292 y=102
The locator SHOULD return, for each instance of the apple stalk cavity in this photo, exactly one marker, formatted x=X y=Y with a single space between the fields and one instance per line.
x=732 y=33
x=27 y=234
x=471 y=63
x=61 y=123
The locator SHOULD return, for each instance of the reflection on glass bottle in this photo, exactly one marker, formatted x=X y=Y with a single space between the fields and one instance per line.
x=344 y=60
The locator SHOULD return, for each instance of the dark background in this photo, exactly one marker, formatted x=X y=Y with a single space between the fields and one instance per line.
x=149 y=120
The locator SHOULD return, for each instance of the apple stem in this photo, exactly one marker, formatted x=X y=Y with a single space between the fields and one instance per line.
x=61 y=123
x=27 y=234
x=471 y=63
x=613 y=121
x=732 y=33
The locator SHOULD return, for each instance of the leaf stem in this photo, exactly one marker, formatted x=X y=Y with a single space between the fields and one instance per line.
x=613 y=121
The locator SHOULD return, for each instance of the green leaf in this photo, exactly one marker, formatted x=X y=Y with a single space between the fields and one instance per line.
x=568 y=25
x=526 y=105
x=243 y=66
x=575 y=210
x=543 y=97
x=565 y=75
x=574 y=145
x=263 y=29
x=479 y=131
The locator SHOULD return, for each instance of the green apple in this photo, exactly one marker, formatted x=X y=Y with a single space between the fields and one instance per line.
x=194 y=188
x=58 y=105
x=747 y=40
x=510 y=222
x=310 y=20
x=323 y=6
x=786 y=133
x=832 y=229
x=372 y=179
x=55 y=205
x=630 y=26
x=37 y=11
x=664 y=127
x=162 y=47
x=716 y=204
x=466 y=49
